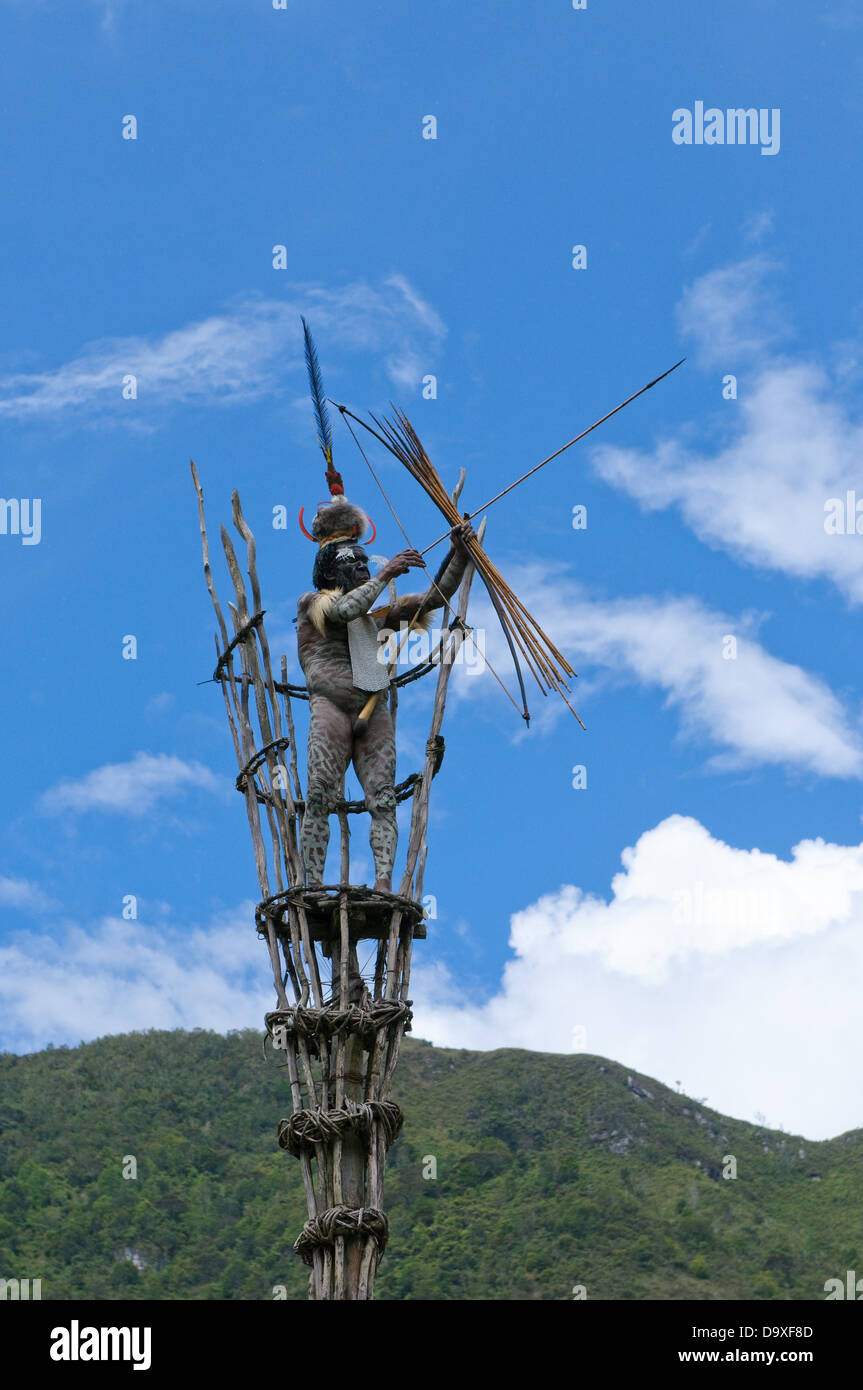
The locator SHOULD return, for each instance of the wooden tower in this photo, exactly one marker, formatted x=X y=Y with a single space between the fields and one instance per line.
x=339 y=1017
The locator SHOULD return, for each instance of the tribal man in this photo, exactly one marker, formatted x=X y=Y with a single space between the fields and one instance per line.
x=341 y=654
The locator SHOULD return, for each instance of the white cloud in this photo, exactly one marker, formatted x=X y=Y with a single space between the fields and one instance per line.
x=110 y=10
x=20 y=894
x=238 y=356
x=729 y=313
x=131 y=788
x=119 y=976
x=160 y=703
x=755 y=709
x=758 y=226
x=788 y=444
x=733 y=970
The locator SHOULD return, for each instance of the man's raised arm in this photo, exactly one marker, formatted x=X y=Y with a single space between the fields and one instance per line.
x=359 y=600
x=411 y=606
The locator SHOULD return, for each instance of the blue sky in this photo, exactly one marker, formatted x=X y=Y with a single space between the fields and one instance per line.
x=567 y=918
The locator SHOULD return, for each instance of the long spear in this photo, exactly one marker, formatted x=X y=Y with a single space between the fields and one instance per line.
x=601 y=421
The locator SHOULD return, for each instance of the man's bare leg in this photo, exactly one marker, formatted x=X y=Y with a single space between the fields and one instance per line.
x=375 y=763
x=329 y=755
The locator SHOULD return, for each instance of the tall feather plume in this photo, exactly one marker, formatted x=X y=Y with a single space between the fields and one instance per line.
x=316 y=385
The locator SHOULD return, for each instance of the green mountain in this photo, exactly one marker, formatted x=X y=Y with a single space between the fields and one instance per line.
x=552 y=1172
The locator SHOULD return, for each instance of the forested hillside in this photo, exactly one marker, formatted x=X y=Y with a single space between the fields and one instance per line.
x=551 y=1172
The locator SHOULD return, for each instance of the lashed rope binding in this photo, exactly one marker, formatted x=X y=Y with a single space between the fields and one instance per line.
x=306 y=1129
x=341 y=1222
x=366 y=1021
x=338 y=1032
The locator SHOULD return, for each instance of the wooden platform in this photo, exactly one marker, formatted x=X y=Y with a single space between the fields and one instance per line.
x=369 y=912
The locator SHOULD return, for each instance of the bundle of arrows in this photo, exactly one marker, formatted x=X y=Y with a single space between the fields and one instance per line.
x=523 y=633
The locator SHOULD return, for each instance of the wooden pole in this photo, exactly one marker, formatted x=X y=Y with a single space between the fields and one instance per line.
x=342 y=1118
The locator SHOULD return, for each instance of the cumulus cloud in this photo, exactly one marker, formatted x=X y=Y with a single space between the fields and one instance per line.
x=758 y=226
x=729 y=312
x=753 y=709
x=74 y=984
x=133 y=788
x=788 y=445
x=236 y=356
x=23 y=896
x=732 y=970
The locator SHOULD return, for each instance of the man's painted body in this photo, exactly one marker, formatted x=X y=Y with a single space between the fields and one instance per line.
x=324 y=639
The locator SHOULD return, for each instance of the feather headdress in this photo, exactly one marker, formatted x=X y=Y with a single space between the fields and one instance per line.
x=337 y=519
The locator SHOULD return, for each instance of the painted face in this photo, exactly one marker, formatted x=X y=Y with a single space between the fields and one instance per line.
x=351 y=566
